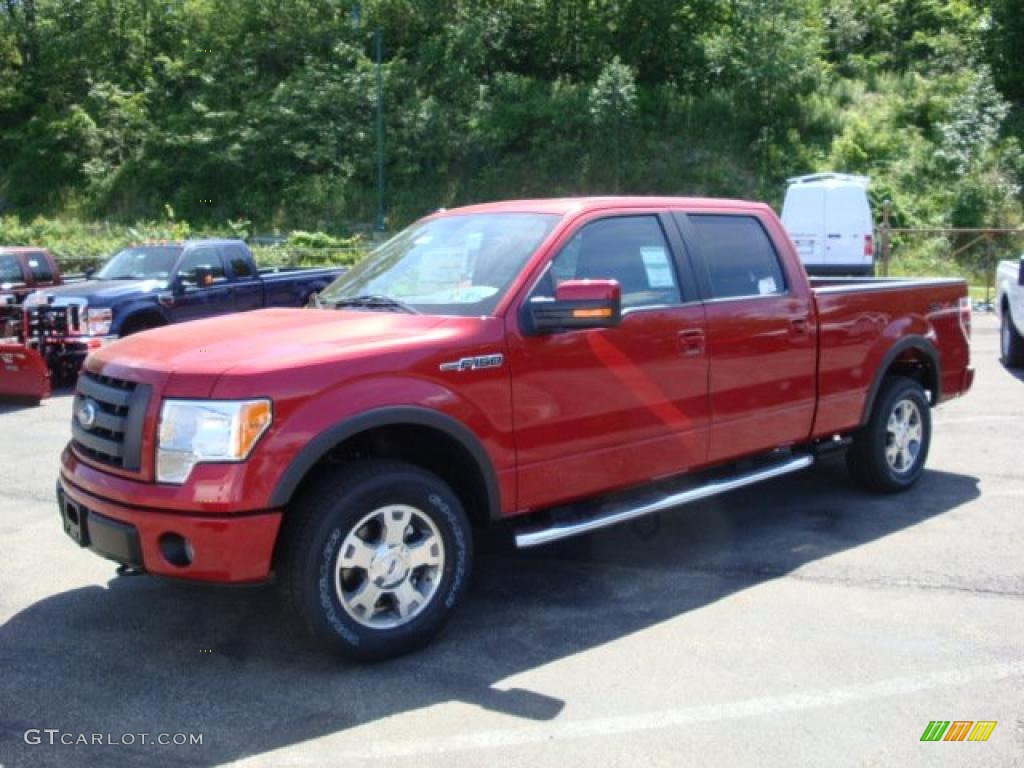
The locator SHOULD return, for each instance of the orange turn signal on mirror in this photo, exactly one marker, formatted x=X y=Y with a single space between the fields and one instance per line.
x=600 y=312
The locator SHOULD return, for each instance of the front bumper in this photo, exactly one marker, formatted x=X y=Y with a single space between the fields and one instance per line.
x=224 y=548
x=968 y=380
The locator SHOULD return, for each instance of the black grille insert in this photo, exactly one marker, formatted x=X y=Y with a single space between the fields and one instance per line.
x=107 y=420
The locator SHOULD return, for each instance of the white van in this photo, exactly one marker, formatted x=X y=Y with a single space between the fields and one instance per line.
x=828 y=217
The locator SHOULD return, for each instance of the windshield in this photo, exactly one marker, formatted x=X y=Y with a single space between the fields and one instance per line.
x=150 y=262
x=453 y=265
x=10 y=269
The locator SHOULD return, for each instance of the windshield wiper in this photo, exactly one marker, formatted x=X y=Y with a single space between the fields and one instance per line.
x=375 y=301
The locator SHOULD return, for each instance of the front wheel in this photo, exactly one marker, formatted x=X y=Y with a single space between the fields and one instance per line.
x=889 y=454
x=376 y=558
x=1011 y=344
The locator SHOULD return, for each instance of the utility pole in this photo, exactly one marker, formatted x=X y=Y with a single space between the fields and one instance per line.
x=356 y=18
x=378 y=36
x=886 y=210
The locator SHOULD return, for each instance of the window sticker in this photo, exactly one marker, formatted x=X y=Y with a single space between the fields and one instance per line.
x=766 y=286
x=659 y=271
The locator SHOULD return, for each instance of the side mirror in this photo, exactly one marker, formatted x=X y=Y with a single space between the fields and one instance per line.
x=1020 y=272
x=577 y=304
x=89 y=272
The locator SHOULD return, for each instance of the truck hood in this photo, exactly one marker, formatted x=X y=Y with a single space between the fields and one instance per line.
x=102 y=292
x=263 y=341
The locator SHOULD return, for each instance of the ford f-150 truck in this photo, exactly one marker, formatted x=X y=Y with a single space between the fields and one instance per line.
x=1010 y=303
x=146 y=286
x=554 y=365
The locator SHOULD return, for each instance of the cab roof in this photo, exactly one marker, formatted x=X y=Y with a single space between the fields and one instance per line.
x=565 y=205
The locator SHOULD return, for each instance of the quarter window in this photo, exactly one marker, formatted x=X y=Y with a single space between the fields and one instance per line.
x=629 y=249
x=740 y=258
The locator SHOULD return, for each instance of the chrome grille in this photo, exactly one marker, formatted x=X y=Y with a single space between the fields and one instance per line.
x=107 y=420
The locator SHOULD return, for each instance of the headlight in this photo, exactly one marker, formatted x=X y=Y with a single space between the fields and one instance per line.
x=195 y=431
x=97 y=321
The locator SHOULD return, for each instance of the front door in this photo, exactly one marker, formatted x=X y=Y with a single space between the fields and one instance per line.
x=194 y=301
x=600 y=409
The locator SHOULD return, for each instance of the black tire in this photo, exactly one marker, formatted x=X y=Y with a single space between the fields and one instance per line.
x=868 y=458
x=328 y=513
x=1011 y=343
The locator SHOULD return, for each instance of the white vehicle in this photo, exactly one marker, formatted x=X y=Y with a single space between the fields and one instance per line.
x=828 y=217
x=1010 y=301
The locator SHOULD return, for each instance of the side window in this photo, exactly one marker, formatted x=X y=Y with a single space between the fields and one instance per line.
x=239 y=261
x=10 y=269
x=629 y=249
x=39 y=266
x=200 y=257
x=740 y=258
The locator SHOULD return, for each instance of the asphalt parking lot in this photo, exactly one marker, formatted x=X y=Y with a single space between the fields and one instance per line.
x=798 y=622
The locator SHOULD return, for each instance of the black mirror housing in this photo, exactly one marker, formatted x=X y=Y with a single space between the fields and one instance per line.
x=577 y=304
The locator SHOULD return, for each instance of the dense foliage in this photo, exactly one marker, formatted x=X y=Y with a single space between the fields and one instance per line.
x=263 y=110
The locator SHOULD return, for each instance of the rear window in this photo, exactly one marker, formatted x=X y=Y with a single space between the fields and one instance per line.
x=740 y=258
x=10 y=270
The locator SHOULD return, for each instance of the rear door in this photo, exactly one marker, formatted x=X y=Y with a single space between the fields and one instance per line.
x=847 y=223
x=597 y=409
x=803 y=216
x=247 y=287
x=760 y=333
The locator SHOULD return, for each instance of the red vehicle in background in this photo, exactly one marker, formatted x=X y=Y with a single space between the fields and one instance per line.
x=23 y=373
x=23 y=270
x=553 y=365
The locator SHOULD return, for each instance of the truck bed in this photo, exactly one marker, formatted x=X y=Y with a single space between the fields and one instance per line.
x=858 y=320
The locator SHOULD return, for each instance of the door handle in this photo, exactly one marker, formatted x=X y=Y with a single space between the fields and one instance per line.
x=799 y=326
x=691 y=342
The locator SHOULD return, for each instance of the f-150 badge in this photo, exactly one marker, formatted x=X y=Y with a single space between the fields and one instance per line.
x=474 y=363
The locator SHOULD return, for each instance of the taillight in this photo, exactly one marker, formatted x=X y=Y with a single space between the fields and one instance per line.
x=869 y=245
x=965 y=316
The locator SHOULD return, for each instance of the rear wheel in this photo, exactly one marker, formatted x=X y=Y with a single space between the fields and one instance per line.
x=1011 y=344
x=889 y=454
x=377 y=559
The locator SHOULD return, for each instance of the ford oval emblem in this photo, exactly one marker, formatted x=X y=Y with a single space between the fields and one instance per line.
x=87 y=414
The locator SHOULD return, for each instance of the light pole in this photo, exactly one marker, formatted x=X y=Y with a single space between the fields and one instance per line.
x=355 y=16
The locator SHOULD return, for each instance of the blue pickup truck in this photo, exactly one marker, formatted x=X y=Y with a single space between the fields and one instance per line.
x=146 y=286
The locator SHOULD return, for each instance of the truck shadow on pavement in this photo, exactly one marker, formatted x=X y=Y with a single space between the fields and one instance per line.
x=149 y=656
x=10 y=403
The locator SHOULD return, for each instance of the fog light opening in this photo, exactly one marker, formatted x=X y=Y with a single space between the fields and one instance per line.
x=176 y=549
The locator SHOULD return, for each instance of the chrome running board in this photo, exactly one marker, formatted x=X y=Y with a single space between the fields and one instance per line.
x=619 y=512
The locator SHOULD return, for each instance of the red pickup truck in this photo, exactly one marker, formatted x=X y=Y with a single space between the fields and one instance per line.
x=24 y=270
x=555 y=365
